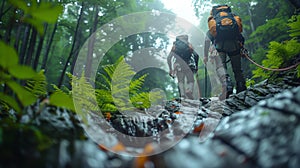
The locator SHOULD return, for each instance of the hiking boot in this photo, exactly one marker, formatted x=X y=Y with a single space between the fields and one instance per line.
x=204 y=100
x=189 y=95
x=226 y=92
x=222 y=96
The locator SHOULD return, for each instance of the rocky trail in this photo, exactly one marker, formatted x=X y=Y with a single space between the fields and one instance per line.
x=256 y=128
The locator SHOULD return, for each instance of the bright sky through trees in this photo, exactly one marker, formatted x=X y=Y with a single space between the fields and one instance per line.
x=182 y=8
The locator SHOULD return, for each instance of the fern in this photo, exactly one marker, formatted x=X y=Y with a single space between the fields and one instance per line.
x=37 y=85
x=294 y=26
x=123 y=93
x=279 y=53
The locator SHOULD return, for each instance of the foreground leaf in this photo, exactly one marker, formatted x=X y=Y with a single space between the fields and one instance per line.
x=26 y=98
x=22 y=72
x=10 y=101
x=61 y=99
x=8 y=56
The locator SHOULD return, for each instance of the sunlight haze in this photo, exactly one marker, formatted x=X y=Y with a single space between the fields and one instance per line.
x=182 y=9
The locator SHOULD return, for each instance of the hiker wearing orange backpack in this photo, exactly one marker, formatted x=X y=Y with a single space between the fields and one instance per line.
x=183 y=64
x=224 y=34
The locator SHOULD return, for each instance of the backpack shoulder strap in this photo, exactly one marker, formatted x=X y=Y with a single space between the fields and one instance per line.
x=173 y=47
x=210 y=36
x=191 y=48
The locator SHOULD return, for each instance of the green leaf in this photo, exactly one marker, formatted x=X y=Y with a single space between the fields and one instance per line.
x=26 y=98
x=8 y=56
x=10 y=101
x=22 y=72
x=61 y=99
x=20 y=4
x=47 y=12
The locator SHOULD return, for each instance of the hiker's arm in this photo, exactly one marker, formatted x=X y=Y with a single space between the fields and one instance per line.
x=206 y=48
x=169 y=58
x=169 y=61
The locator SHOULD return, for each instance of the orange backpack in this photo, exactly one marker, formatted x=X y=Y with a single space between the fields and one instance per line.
x=224 y=25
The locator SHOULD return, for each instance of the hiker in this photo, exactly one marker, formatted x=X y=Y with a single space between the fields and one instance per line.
x=224 y=34
x=183 y=64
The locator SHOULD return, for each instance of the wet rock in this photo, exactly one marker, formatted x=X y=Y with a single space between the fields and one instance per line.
x=265 y=135
x=57 y=122
x=211 y=154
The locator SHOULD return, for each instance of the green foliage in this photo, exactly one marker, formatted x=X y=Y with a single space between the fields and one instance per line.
x=278 y=54
x=294 y=26
x=259 y=56
x=37 y=85
x=10 y=72
x=62 y=97
x=274 y=30
x=37 y=14
x=120 y=93
x=250 y=82
x=84 y=98
x=9 y=102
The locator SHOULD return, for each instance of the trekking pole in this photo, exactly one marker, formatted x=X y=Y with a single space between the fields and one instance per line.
x=205 y=81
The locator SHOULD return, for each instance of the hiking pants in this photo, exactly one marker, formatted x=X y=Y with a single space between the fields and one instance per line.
x=186 y=81
x=236 y=68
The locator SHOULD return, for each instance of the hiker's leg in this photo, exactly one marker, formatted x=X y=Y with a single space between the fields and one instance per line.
x=238 y=73
x=180 y=78
x=190 y=84
x=220 y=70
x=224 y=77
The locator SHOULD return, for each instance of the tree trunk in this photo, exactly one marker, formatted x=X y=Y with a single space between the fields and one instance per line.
x=18 y=36
x=24 y=43
x=251 y=22
x=31 y=47
x=72 y=53
x=10 y=26
x=49 y=44
x=39 y=49
x=2 y=9
x=91 y=43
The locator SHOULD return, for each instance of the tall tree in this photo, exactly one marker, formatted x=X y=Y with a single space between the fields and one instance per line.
x=75 y=45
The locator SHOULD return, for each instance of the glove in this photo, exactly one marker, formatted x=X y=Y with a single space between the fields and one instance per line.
x=171 y=73
x=205 y=60
x=244 y=52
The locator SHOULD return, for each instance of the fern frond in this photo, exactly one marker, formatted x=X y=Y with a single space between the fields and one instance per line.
x=294 y=26
x=146 y=99
x=108 y=108
x=137 y=84
x=84 y=93
x=37 y=85
x=124 y=92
